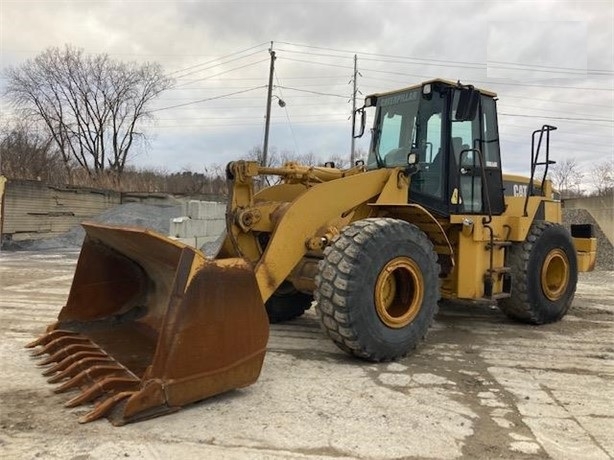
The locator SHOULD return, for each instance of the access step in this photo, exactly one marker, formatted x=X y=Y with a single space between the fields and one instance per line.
x=498 y=244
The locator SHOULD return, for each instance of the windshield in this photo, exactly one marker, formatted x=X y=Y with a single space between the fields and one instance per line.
x=394 y=132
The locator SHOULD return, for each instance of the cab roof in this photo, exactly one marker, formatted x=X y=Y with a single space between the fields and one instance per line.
x=435 y=80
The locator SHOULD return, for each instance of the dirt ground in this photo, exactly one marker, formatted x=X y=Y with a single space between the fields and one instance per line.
x=482 y=386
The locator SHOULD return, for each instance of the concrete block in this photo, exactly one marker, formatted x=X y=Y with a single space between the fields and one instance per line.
x=188 y=228
x=205 y=209
x=184 y=227
x=215 y=227
x=196 y=242
x=189 y=241
x=176 y=226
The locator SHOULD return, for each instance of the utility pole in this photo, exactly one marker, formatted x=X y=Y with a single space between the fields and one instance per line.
x=269 y=97
x=352 y=152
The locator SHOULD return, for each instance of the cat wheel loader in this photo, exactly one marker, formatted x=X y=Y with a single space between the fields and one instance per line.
x=151 y=324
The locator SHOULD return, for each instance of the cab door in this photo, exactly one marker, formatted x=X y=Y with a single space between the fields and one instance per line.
x=475 y=163
x=429 y=185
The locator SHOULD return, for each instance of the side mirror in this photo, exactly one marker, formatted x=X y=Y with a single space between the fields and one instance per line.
x=468 y=101
x=363 y=119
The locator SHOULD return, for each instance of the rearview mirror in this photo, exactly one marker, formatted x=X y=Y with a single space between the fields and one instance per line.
x=363 y=120
x=467 y=106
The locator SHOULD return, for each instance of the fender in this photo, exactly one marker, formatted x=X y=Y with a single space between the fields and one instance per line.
x=425 y=221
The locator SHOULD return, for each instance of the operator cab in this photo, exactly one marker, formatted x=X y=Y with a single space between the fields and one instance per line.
x=450 y=130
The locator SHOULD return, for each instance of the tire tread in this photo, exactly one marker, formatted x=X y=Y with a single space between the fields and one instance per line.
x=336 y=280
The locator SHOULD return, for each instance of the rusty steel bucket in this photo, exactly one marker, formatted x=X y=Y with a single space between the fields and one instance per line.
x=151 y=325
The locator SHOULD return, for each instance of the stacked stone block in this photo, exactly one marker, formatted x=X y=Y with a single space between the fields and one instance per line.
x=202 y=222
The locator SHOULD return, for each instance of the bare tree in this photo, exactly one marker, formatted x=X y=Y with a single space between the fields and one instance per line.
x=567 y=177
x=27 y=154
x=92 y=106
x=602 y=176
x=255 y=154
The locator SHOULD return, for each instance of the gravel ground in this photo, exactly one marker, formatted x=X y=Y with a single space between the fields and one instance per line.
x=481 y=387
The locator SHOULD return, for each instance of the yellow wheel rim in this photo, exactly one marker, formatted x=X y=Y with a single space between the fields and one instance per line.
x=399 y=291
x=555 y=274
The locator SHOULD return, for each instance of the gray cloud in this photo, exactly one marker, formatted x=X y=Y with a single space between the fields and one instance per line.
x=443 y=35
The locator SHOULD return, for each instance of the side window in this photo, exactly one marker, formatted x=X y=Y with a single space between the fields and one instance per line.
x=391 y=133
x=396 y=123
x=466 y=135
x=430 y=180
x=490 y=144
x=433 y=138
x=462 y=139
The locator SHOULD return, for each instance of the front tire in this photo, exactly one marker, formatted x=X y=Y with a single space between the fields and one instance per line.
x=377 y=288
x=287 y=303
x=544 y=275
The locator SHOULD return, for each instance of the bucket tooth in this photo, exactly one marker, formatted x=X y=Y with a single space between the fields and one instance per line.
x=79 y=366
x=70 y=360
x=105 y=406
x=93 y=374
x=67 y=351
x=109 y=384
x=60 y=342
x=49 y=336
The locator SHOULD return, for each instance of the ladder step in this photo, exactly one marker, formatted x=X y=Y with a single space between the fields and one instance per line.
x=499 y=244
x=498 y=270
x=499 y=296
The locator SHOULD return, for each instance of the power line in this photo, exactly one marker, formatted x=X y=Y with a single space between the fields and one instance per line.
x=562 y=133
x=319 y=63
x=535 y=85
x=209 y=99
x=276 y=124
x=586 y=104
x=216 y=59
x=556 y=72
x=476 y=65
x=557 y=118
x=222 y=73
x=216 y=65
x=506 y=105
x=550 y=67
x=313 y=92
x=379 y=54
x=287 y=113
x=386 y=60
x=255 y=116
x=423 y=76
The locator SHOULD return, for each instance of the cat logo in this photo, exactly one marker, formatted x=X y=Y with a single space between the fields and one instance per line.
x=520 y=190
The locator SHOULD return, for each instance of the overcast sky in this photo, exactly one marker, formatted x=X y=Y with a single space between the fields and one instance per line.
x=549 y=62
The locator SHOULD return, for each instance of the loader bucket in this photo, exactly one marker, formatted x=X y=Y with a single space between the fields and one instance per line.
x=151 y=325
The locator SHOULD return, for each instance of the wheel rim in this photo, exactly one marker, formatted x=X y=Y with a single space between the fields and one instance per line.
x=555 y=274
x=399 y=291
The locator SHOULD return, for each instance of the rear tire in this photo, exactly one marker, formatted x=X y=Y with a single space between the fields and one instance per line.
x=377 y=288
x=287 y=303
x=544 y=275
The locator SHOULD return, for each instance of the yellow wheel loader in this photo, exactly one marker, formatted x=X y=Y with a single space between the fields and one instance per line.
x=151 y=324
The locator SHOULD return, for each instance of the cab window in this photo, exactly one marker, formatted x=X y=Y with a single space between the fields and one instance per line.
x=394 y=131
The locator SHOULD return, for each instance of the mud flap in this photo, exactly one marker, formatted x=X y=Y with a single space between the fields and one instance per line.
x=151 y=325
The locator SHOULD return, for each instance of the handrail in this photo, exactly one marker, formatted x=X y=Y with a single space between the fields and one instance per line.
x=535 y=156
